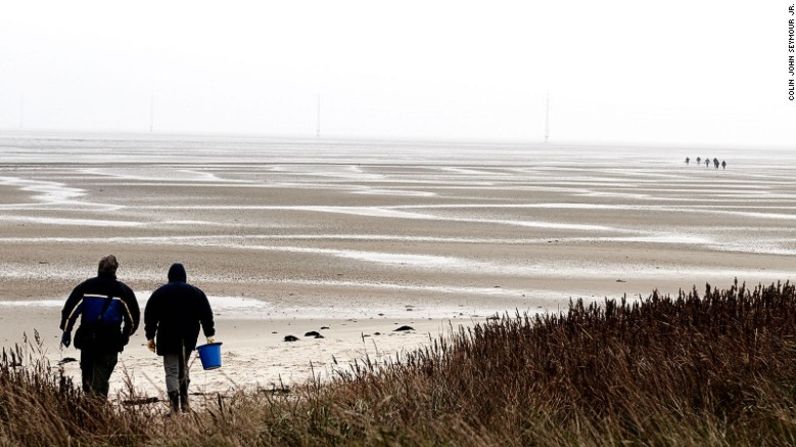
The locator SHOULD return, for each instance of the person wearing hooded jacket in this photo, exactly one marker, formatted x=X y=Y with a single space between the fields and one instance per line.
x=103 y=304
x=171 y=322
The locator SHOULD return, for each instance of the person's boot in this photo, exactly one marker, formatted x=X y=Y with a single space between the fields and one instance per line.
x=184 y=405
x=174 y=401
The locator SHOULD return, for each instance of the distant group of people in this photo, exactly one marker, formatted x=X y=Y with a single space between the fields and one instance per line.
x=109 y=315
x=716 y=163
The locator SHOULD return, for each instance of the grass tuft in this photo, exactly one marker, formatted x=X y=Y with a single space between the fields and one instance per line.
x=712 y=369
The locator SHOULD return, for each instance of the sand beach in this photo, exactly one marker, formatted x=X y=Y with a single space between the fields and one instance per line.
x=291 y=235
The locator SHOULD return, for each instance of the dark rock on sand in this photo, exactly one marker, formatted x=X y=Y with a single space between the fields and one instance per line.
x=291 y=338
x=324 y=327
x=312 y=334
x=404 y=328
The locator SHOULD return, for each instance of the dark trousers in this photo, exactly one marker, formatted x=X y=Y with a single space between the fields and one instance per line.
x=176 y=366
x=96 y=368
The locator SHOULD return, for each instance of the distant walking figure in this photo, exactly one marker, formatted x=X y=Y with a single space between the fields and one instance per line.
x=699 y=160
x=687 y=160
x=723 y=165
x=103 y=303
x=173 y=314
x=707 y=162
x=716 y=162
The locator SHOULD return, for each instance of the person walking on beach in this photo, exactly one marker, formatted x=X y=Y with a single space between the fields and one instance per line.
x=109 y=315
x=173 y=314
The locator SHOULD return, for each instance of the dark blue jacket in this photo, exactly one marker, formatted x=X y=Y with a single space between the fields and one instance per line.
x=108 y=312
x=174 y=312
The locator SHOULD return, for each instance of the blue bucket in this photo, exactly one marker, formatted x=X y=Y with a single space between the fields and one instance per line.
x=210 y=355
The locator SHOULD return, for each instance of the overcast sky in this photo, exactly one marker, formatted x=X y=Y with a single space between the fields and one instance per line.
x=689 y=72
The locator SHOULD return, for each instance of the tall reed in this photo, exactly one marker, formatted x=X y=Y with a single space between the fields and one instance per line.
x=712 y=369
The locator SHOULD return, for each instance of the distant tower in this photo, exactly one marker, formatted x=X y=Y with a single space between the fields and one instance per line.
x=21 y=111
x=318 y=118
x=151 y=112
x=547 y=119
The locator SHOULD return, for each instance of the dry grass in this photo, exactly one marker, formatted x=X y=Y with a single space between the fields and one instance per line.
x=717 y=369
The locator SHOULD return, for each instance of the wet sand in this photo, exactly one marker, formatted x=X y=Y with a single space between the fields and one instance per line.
x=287 y=236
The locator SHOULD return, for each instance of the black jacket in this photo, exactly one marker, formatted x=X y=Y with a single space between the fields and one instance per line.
x=108 y=313
x=173 y=314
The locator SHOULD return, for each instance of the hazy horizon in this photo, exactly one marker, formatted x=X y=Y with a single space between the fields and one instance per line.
x=618 y=72
x=144 y=135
